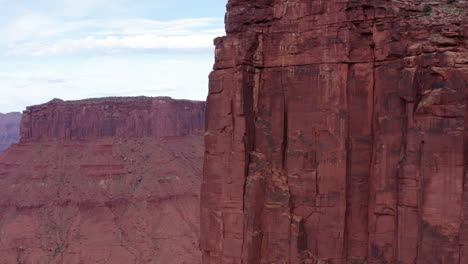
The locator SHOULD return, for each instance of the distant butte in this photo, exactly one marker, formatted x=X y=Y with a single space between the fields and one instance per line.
x=156 y=117
x=9 y=129
x=109 y=180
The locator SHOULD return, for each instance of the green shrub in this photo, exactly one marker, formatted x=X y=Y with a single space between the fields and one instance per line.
x=427 y=10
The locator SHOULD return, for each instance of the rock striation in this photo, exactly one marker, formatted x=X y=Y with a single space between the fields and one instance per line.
x=336 y=134
x=9 y=129
x=159 y=117
x=113 y=180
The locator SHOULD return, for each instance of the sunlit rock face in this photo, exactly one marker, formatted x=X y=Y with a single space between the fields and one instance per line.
x=9 y=129
x=335 y=134
x=113 y=180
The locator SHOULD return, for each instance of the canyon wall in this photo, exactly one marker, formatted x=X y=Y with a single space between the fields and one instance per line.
x=9 y=129
x=115 y=117
x=113 y=180
x=335 y=133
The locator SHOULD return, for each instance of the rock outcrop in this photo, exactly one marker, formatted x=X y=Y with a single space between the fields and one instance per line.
x=335 y=134
x=113 y=180
x=159 y=117
x=9 y=129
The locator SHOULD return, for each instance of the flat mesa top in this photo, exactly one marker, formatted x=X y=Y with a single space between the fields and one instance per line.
x=10 y=114
x=58 y=101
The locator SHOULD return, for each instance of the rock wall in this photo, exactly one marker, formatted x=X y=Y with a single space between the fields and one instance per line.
x=9 y=129
x=158 y=117
x=108 y=181
x=335 y=134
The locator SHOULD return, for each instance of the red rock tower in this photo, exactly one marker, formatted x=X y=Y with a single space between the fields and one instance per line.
x=110 y=181
x=335 y=134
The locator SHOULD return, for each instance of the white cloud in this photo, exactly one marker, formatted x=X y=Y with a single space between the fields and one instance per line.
x=142 y=26
x=105 y=76
x=79 y=8
x=76 y=49
x=26 y=26
x=117 y=44
x=109 y=37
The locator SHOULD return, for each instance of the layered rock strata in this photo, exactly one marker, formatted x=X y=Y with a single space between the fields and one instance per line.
x=113 y=180
x=9 y=129
x=335 y=134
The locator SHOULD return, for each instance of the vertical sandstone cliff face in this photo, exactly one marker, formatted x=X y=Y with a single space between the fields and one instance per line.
x=9 y=129
x=115 y=117
x=108 y=181
x=335 y=134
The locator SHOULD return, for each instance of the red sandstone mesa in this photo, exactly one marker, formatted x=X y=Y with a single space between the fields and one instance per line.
x=9 y=129
x=113 y=180
x=335 y=134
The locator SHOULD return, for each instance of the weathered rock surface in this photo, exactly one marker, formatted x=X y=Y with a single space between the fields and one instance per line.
x=112 y=180
x=335 y=134
x=114 y=117
x=9 y=129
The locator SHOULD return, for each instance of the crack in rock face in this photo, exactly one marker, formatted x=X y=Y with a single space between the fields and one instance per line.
x=336 y=133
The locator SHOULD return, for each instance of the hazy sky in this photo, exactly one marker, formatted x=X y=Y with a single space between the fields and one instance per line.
x=75 y=49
